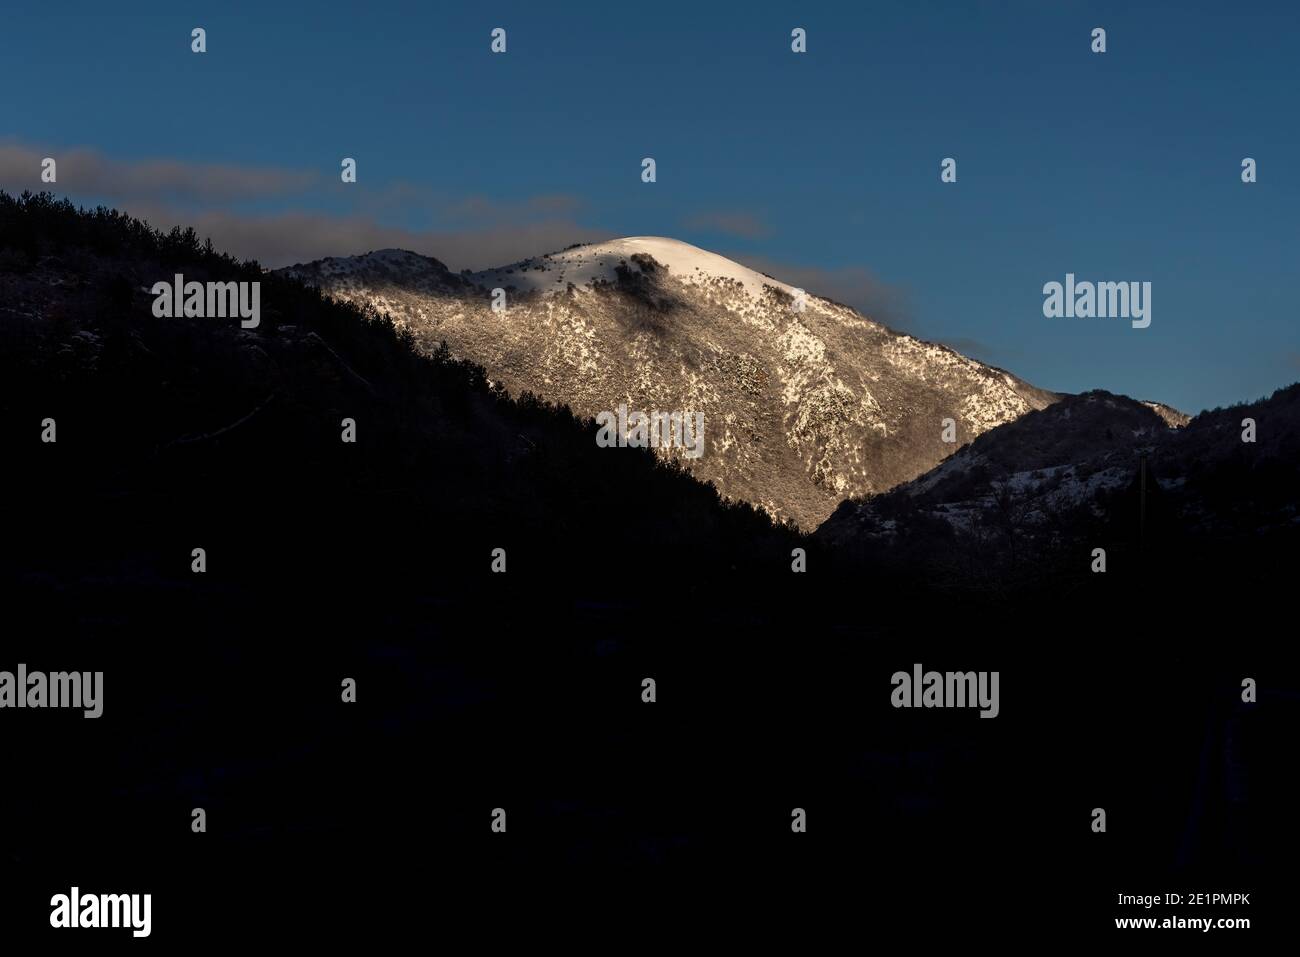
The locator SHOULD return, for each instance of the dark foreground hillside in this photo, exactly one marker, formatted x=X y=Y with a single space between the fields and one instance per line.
x=194 y=432
x=523 y=690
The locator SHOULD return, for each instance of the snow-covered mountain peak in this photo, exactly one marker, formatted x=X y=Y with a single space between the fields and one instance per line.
x=599 y=262
x=805 y=402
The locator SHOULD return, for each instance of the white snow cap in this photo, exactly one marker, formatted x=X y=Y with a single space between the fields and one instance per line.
x=599 y=261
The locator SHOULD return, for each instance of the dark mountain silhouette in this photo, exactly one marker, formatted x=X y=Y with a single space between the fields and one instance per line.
x=523 y=690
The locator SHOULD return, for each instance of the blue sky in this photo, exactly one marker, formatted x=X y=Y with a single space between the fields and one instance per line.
x=820 y=168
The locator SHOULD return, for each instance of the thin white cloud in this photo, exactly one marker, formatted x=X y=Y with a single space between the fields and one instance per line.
x=88 y=172
x=283 y=239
